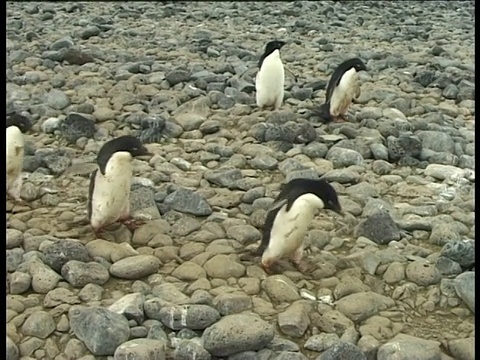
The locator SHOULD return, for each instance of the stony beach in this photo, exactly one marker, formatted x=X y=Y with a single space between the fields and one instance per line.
x=394 y=277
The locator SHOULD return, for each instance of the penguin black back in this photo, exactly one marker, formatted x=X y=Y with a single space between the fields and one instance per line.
x=20 y=121
x=338 y=74
x=270 y=48
x=125 y=143
x=91 y=187
x=291 y=192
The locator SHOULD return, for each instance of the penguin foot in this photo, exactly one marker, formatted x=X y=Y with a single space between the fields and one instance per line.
x=18 y=201
x=98 y=232
x=132 y=223
x=305 y=267
x=340 y=118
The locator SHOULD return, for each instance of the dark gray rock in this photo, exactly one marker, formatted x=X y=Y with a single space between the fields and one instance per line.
x=460 y=251
x=110 y=330
x=187 y=201
x=57 y=99
x=77 y=57
x=302 y=93
x=379 y=227
x=195 y=317
x=60 y=252
x=76 y=126
x=223 y=177
x=177 y=76
x=279 y=133
x=447 y=266
x=78 y=273
x=315 y=150
x=437 y=141
x=425 y=78
x=404 y=146
x=57 y=163
x=342 y=351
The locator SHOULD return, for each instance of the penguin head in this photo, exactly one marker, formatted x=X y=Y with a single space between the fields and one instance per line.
x=126 y=143
x=329 y=196
x=273 y=45
x=355 y=63
x=20 y=121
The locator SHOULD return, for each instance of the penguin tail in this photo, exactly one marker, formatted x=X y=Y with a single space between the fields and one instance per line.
x=323 y=112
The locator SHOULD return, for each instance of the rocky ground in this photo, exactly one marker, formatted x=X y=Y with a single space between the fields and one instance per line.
x=395 y=275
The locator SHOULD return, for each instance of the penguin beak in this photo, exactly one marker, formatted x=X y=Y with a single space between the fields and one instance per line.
x=144 y=153
x=339 y=211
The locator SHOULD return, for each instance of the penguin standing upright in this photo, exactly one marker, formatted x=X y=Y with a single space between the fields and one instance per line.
x=17 y=125
x=270 y=79
x=342 y=88
x=109 y=191
x=287 y=222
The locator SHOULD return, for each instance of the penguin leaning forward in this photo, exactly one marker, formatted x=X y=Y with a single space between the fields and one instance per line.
x=17 y=126
x=270 y=79
x=109 y=190
x=342 y=88
x=289 y=218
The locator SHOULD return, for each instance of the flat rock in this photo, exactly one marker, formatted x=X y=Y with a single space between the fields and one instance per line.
x=360 y=306
x=195 y=317
x=141 y=349
x=236 y=333
x=135 y=267
x=223 y=267
x=406 y=347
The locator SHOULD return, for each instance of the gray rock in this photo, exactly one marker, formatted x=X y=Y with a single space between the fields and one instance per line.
x=442 y=172
x=462 y=349
x=280 y=289
x=19 y=282
x=280 y=344
x=437 y=141
x=141 y=349
x=342 y=157
x=135 y=267
x=379 y=227
x=12 y=350
x=423 y=273
x=465 y=288
x=223 y=267
x=342 y=351
x=44 y=279
x=57 y=99
x=14 y=238
x=78 y=273
x=244 y=234
x=187 y=201
x=290 y=355
x=223 y=177
x=57 y=163
x=360 y=306
x=111 y=329
x=342 y=176
x=63 y=43
x=406 y=347
x=39 y=324
x=142 y=202
x=315 y=150
x=227 y=304
x=237 y=333
x=264 y=162
x=88 y=32
x=130 y=306
x=460 y=251
x=59 y=296
x=321 y=342
x=76 y=126
x=379 y=151
x=195 y=317
x=403 y=146
x=294 y=320
x=177 y=76
x=190 y=349
x=14 y=258
x=447 y=266
x=60 y=252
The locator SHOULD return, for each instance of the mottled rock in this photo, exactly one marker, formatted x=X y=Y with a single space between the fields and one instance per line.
x=141 y=349
x=135 y=267
x=195 y=317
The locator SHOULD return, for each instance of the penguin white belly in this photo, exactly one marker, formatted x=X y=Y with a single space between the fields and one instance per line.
x=15 y=152
x=270 y=81
x=344 y=93
x=289 y=228
x=111 y=193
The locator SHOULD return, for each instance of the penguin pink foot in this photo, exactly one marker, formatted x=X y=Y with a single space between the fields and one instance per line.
x=132 y=223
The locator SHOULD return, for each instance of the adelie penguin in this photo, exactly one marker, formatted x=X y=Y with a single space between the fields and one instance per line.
x=109 y=191
x=342 y=88
x=17 y=125
x=270 y=79
x=287 y=222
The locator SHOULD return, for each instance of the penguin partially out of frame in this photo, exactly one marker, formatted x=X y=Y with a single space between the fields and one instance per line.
x=287 y=222
x=270 y=79
x=342 y=88
x=17 y=126
x=109 y=190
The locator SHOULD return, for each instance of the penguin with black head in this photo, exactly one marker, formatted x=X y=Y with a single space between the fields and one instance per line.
x=270 y=79
x=289 y=218
x=342 y=88
x=109 y=190
x=17 y=126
